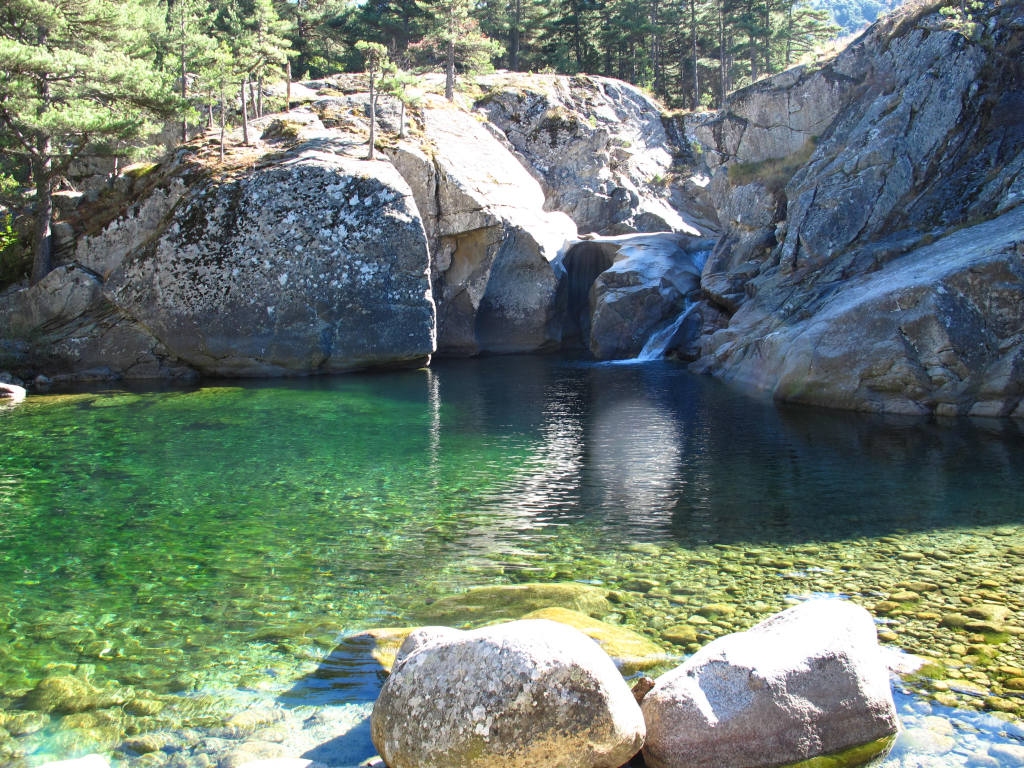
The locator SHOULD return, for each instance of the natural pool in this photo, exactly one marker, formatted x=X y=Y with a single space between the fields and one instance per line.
x=180 y=560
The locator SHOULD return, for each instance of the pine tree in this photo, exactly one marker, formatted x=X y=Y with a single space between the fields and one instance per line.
x=270 y=47
x=313 y=30
x=456 y=36
x=79 y=82
x=376 y=58
x=191 y=42
x=397 y=81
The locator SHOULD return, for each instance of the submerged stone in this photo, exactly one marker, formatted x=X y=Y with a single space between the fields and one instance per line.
x=380 y=644
x=511 y=601
x=89 y=761
x=631 y=651
x=681 y=634
x=62 y=694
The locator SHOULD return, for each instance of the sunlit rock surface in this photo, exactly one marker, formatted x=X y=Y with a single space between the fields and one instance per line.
x=806 y=682
x=871 y=257
x=526 y=694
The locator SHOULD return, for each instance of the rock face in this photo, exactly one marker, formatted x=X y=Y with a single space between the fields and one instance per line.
x=603 y=152
x=862 y=263
x=65 y=325
x=809 y=681
x=321 y=259
x=494 y=243
x=312 y=263
x=935 y=331
x=641 y=292
x=527 y=694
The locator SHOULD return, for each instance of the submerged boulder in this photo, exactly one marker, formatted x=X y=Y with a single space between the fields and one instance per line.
x=806 y=682
x=631 y=651
x=526 y=694
x=511 y=601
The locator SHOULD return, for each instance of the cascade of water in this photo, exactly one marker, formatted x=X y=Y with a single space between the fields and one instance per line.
x=655 y=347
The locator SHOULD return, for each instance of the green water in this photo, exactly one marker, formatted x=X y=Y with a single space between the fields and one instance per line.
x=189 y=552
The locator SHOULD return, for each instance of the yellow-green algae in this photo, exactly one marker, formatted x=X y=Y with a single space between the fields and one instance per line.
x=849 y=758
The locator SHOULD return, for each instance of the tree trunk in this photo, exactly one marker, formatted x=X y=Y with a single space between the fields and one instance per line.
x=252 y=96
x=43 y=245
x=373 y=114
x=656 y=49
x=258 y=101
x=401 y=120
x=767 y=37
x=514 y=35
x=722 y=65
x=288 y=85
x=449 y=72
x=209 y=115
x=184 y=77
x=42 y=172
x=789 y=33
x=223 y=109
x=693 y=38
x=245 y=114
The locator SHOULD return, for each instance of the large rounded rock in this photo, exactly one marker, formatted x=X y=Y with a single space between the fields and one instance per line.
x=809 y=681
x=527 y=694
x=313 y=263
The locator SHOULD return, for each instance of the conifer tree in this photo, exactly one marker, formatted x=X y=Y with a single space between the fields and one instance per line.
x=270 y=47
x=397 y=81
x=190 y=37
x=376 y=58
x=79 y=83
x=456 y=36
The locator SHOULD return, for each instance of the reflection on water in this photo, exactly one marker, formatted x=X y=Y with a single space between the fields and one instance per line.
x=190 y=541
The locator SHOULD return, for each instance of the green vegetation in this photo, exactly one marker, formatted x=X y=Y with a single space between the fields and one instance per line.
x=376 y=57
x=963 y=14
x=774 y=173
x=79 y=83
x=15 y=261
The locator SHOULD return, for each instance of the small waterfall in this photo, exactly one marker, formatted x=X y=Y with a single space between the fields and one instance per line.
x=655 y=347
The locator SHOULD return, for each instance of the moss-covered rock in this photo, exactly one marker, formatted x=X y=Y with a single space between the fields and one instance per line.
x=631 y=652
x=511 y=601
x=66 y=694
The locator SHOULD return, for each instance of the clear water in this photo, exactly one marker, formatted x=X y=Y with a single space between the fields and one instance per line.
x=208 y=546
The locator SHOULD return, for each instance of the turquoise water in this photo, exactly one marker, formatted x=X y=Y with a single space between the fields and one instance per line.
x=201 y=547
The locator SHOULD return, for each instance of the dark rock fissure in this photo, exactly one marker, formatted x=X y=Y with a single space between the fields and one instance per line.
x=582 y=263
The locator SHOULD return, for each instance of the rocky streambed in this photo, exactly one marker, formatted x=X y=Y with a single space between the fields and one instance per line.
x=952 y=600
x=188 y=611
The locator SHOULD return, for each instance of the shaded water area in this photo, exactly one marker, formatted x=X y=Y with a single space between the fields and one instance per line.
x=182 y=561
